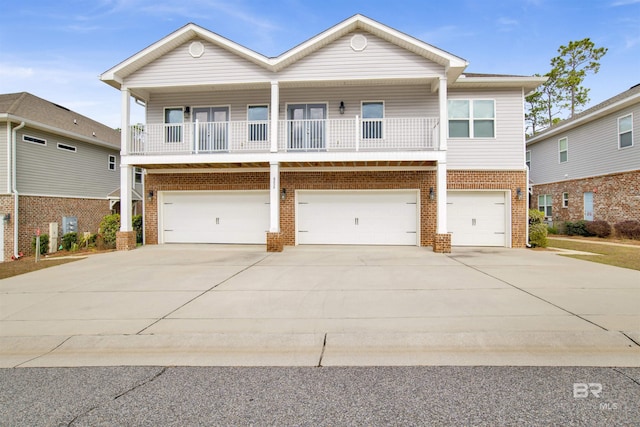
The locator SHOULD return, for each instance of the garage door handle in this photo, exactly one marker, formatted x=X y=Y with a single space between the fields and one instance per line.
x=473 y=221
x=356 y=221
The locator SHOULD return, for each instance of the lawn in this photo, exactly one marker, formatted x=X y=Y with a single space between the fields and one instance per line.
x=29 y=264
x=620 y=256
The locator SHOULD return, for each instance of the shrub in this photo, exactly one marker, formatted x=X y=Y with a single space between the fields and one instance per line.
x=536 y=216
x=599 y=228
x=537 y=229
x=578 y=228
x=87 y=241
x=109 y=226
x=68 y=240
x=44 y=243
x=137 y=226
x=629 y=229
x=552 y=230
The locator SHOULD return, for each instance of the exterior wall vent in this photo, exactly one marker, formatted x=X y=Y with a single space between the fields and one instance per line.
x=196 y=49
x=358 y=42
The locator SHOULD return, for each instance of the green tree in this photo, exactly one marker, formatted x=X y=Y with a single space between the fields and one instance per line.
x=545 y=104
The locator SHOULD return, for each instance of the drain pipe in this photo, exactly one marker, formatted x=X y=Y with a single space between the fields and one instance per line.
x=527 y=213
x=14 y=187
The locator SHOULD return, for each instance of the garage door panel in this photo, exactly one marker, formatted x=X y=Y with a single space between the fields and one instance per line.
x=476 y=218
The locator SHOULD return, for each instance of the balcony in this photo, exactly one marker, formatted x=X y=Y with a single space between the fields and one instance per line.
x=351 y=135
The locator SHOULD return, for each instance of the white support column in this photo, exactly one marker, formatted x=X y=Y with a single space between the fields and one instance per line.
x=275 y=115
x=441 y=195
x=125 y=197
x=125 y=111
x=444 y=117
x=274 y=197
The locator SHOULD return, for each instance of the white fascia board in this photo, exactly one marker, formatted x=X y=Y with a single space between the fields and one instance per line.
x=528 y=83
x=570 y=124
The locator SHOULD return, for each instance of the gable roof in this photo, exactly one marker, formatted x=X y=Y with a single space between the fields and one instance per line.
x=608 y=106
x=115 y=76
x=45 y=115
x=479 y=81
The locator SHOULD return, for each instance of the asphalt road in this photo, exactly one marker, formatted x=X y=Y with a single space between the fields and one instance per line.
x=183 y=396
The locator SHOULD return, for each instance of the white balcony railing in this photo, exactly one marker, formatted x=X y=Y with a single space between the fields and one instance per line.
x=355 y=134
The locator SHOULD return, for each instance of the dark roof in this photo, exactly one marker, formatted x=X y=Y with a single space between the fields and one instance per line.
x=23 y=105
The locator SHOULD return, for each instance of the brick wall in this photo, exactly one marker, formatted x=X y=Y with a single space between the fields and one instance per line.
x=6 y=206
x=616 y=197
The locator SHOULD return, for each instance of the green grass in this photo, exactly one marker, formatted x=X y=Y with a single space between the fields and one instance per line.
x=619 y=256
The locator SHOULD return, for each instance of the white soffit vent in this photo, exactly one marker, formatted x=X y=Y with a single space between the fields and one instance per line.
x=358 y=42
x=196 y=49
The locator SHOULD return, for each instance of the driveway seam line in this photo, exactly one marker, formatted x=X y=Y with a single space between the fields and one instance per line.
x=324 y=346
x=528 y=293
x=202 y=293
x=47 y=353
x=631 y=339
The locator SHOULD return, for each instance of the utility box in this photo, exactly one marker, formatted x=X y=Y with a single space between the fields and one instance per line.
x=69 y=224
x=53 y=237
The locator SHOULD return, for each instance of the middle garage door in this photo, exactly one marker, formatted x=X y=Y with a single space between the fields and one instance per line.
x=357 y=217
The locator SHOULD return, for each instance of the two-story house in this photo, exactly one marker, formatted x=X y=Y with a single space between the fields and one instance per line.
x=588 y=167
x=56 y=166
x=360 y=135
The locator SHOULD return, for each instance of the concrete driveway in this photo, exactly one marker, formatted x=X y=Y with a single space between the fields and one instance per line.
x=321 y=305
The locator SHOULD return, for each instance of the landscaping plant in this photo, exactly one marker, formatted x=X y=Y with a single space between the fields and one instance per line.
x=537 y=229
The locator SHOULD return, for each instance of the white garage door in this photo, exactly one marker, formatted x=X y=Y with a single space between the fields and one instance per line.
x=357 y=217
x=215 y=217
x=476 y=218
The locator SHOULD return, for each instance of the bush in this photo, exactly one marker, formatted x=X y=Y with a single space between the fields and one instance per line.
x=109 y=226
x=629 y=229
x=44 y=244
x=552 y=230
x=68 y=240
x=537 y=229
x=536 y=216
x=599 y=228
x=137 y=226
x=87 y=241
x=578 y=228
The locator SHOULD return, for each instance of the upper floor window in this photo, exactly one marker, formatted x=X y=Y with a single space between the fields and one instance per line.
x=173 y=118
x=111 y=162
x=372 y=119
x=34 y=140
x=471 y=118
x=527 y=159
x=544 y=204
x=67 y=147
x=258 y=117
x=625 y=131
x=137 y=175
x=563 y=150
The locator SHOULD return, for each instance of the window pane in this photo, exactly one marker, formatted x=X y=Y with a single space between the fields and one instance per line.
x=562 y=144
x=563 y=156
x=624 y=124
x=626 y=140
x=548 y=212
x=483 y=128
x=372 y=110
x=483 y=109
x=458 y=129
x=173 y=115
x=458 y=109
x=258 y=112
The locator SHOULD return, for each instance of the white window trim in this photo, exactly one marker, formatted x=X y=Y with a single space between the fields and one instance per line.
x=382 y=120
x=66 y=147
x=566 y=150
x=42 y=144
x=620 y=133
x=250 y=122
x=111 y=162
x=565 y=200
x=471 y=119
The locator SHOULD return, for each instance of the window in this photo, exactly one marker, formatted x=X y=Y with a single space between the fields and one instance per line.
x=34 y=140
x=137 y=172
x=527 y=159
x=173 y=118
x=372 y=118
x=544 y=204
x=67 y=147
x=625 y=131
x=471 y=118
x=112 y=162
x=563 y=150
x=565 y=200
x=258 y=117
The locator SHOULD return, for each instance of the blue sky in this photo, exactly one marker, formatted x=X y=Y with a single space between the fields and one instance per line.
x=57 y=49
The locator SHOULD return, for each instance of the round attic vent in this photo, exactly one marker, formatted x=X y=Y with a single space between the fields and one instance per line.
x=358 y=42
x=196 y=49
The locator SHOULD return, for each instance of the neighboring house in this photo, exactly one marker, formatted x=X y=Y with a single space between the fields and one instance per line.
x=54 y=164
x=360 y=135
x=588 y=167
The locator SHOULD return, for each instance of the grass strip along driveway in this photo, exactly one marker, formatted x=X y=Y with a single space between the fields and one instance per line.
x=619 y=256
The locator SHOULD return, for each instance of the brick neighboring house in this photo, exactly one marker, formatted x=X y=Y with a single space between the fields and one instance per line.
x=588 y=167
x=54 y=163
x=360 y=135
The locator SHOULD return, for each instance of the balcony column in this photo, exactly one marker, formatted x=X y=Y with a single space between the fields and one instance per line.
x=444 y=117
x=442 y=239
x=274 y=237
x=125 y=110
x=275 y=105
x=126 y=237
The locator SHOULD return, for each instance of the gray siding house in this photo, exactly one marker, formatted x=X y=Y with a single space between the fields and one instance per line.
x=54 y=163
x=588 y=167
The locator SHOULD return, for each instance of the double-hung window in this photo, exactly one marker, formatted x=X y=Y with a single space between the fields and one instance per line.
x=111 y=162
x=563 y=150
x=173 y=118
x=472 y=118
x=372 y=120
x=565 y=200
x=258 y=117
x=625 y=131
x=528 y=159
x=544 y=204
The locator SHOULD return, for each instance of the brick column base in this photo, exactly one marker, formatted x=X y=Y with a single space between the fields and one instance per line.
x=275 y=242
x=442 y=243
x=125 y=240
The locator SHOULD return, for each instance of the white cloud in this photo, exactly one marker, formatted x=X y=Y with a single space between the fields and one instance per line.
x=624 y=2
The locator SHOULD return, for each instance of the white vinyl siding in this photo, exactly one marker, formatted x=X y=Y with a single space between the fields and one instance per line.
x=625 y=131
x=545 y=204
x=503 y=152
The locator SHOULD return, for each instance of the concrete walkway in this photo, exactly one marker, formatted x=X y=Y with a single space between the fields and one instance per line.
x=207 y=305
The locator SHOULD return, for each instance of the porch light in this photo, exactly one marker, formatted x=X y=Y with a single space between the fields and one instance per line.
x=519 y=193
x=341 y=108
x=431 y=193
x=283 y=194
x=187 y=111
x=150 y=195
x=7 y=217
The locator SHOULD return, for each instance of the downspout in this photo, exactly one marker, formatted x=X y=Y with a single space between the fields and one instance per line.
x=14 y=186
x=527 y=213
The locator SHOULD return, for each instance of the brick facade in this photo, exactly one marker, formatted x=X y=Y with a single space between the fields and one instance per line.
x=6 y=207
x=125 y=240
x=421 y=180
x=616 y=197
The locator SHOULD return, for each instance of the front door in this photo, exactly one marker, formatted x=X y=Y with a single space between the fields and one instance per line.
x=212 y=130
x=307 y=126
x=588 y=206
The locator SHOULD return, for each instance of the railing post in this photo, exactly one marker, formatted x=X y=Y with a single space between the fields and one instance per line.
x=196 y=137
x=358 y=127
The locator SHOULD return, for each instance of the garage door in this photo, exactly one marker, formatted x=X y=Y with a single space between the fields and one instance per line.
x=357 y=217
x=476 y=218
x=215 y=217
